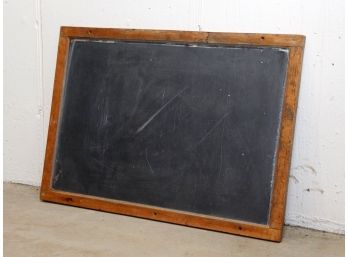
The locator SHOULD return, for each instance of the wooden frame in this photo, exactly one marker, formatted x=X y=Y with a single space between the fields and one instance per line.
x=272 y=231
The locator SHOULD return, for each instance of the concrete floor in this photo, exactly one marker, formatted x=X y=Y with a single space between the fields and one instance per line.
x=34 y=228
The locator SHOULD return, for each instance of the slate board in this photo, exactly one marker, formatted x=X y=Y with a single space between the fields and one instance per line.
x=190 y=127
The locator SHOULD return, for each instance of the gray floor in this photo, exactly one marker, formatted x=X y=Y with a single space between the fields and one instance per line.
x=34 y=228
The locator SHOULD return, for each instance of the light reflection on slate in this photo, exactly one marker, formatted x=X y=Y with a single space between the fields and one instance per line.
x=184 y=127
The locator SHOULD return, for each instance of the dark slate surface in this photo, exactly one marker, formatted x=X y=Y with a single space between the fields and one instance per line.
x=186 y=127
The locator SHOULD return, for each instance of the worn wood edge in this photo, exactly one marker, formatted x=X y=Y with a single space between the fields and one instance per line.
x=62 y=56
x=134 y=34
x=134 y=204
x=277 y=40
x=163 y=215
x=281 y=176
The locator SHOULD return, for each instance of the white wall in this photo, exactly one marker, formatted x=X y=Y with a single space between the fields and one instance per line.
x=31 y=28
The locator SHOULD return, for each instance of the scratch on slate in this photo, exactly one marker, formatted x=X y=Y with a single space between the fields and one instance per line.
x=152 y=171
x=210 y=131
x=245 y=143
x=57 y=175
x=221 y=149
x=158 y=111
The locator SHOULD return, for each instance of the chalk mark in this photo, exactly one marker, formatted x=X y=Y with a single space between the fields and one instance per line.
x=221 y=150
x=134 y=109
x=147 y=160
x=158 y=111
x=209 y=131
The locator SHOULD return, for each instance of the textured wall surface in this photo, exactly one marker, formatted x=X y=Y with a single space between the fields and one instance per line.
x=316 y=187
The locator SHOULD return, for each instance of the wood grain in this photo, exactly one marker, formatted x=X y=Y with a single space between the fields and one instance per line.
x=187 y=36
x=55 y=109
x=281 y=175
x=161 y=214
x=272 y=231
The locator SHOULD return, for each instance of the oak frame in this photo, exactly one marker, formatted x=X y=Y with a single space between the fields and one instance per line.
x=272 y=231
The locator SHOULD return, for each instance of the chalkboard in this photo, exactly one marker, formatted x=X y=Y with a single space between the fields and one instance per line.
x=186 y=126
